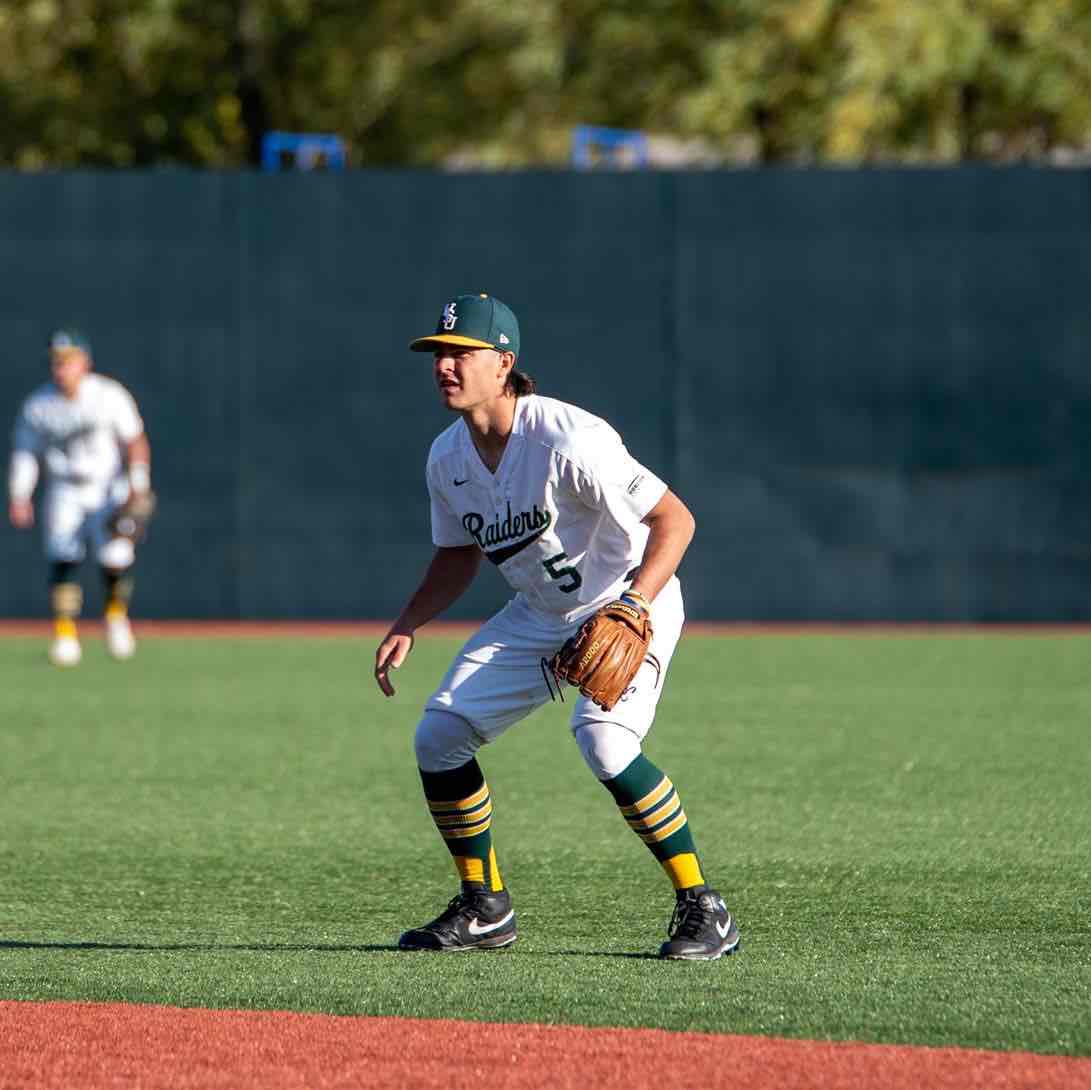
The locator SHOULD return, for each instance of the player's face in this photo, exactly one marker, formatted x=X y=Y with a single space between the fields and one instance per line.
x=69 y=365
x=470 y=377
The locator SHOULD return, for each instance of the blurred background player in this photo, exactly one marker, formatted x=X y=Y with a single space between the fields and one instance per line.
x=549 y=494
x=87 y=433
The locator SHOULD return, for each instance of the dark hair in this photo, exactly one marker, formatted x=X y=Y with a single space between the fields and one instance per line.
x=519 y=383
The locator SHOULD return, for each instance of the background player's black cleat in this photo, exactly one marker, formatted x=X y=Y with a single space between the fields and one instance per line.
x=474 y=920
x=701 y=928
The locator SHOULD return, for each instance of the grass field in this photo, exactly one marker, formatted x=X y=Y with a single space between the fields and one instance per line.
x=900 y=823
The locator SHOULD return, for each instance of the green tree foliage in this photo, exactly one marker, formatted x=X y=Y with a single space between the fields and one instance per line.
x=501 y=82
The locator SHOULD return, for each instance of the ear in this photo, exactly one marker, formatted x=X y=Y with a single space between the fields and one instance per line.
x=506 y=363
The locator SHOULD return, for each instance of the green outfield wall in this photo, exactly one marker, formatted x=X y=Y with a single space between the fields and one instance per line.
x=872 y=387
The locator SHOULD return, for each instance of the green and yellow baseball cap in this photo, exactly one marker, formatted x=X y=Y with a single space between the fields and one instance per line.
x=476 y=321
x=67 y=340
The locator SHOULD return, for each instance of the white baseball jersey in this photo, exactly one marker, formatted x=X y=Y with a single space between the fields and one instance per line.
x=560 y=517
x=78 y=439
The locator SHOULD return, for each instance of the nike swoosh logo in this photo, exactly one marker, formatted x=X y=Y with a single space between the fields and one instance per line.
x=498 y=556
x=723 y=930
x=459 y=484
x=483 y=929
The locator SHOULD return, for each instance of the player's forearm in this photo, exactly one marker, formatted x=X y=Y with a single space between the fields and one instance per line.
x=22 y=476
x=138 y=454
x=671 y=530
x=448 y=576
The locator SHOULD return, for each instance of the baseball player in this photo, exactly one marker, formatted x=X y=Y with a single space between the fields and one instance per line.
x=86 y=431
x=549 y=494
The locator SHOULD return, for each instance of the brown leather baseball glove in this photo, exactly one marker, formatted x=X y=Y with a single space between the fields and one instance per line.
x=132 y=517
x=602 y=658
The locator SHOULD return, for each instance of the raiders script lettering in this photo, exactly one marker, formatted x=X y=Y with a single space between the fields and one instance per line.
x=509 y=528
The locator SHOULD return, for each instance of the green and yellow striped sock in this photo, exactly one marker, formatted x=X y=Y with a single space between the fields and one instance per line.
x=66 y=600
x=462 y=810
x=118 y=587
x=651 y=807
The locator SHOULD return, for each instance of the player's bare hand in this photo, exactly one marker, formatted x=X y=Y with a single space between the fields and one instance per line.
x=390 y=655
x=21 y=513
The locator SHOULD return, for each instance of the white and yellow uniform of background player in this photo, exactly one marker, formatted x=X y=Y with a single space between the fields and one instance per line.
x=82 y=430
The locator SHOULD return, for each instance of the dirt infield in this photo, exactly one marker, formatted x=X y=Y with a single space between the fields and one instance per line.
x=89 y=1046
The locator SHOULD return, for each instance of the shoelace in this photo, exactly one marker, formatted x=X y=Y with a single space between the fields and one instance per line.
x=459 y=904
x=455 y=907
x=690 y=919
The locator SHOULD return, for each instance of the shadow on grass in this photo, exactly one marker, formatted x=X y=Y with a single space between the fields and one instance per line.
x=281 y=947
x=259 y=947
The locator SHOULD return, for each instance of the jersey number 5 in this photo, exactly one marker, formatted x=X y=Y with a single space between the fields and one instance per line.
x=574 y=580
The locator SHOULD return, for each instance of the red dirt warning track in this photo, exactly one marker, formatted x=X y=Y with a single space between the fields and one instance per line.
x=103 y=1046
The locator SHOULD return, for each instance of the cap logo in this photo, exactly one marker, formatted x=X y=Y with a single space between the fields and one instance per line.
x=449 y=317
x=504 y=339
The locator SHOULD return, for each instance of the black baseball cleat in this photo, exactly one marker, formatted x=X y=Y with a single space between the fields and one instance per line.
x=701 y=928
x=474 y=920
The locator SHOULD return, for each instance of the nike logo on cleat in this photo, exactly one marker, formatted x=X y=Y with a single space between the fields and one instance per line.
x=723 y=928
x=476 y=928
